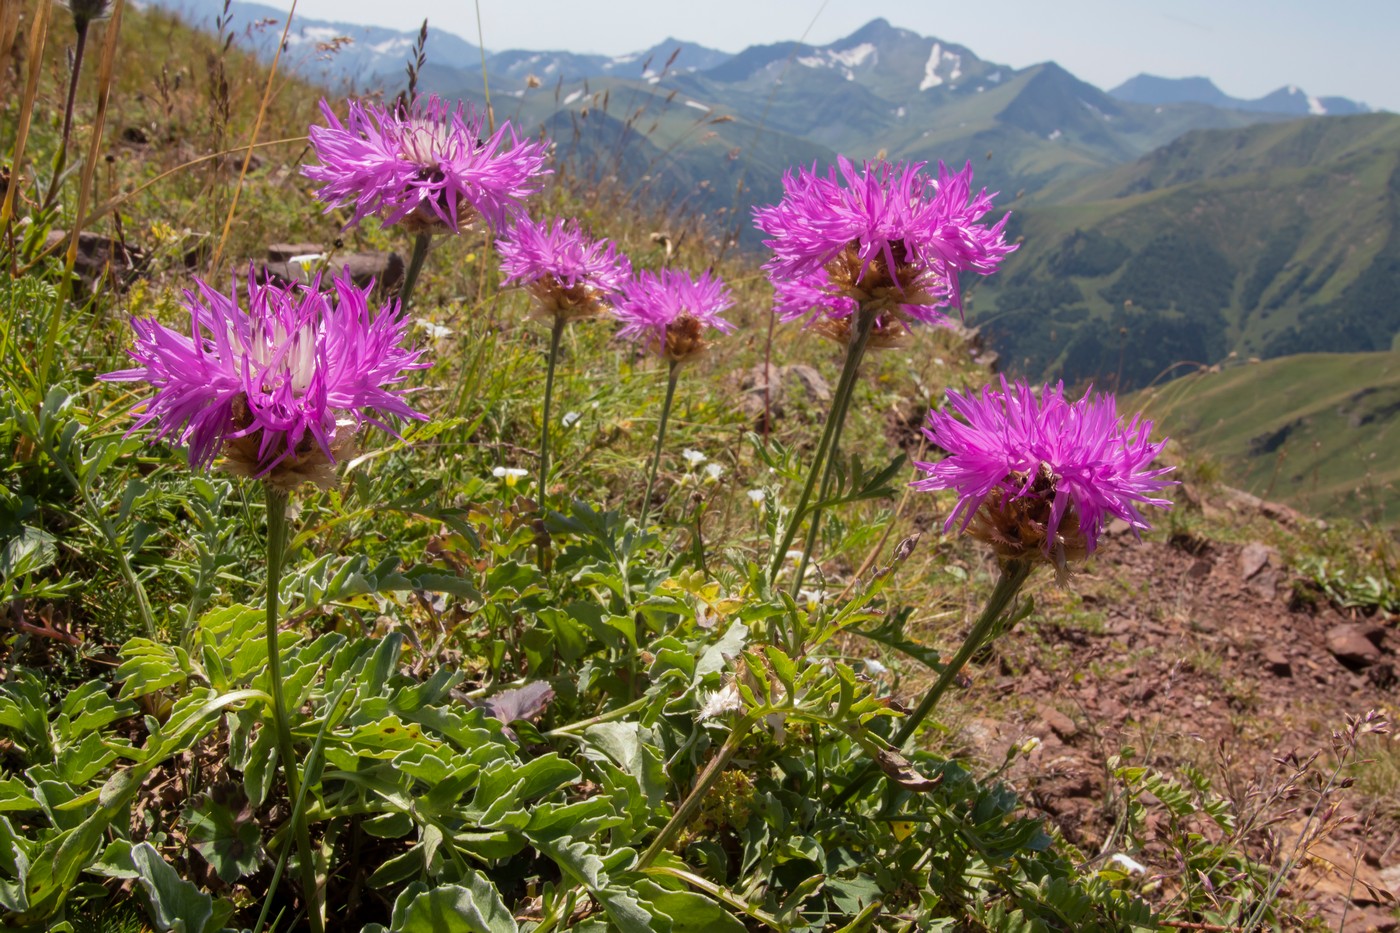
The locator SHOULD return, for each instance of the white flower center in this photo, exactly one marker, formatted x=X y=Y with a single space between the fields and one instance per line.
x=426 y=142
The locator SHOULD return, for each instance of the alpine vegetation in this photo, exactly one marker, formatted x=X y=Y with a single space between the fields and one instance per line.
x=317 y=615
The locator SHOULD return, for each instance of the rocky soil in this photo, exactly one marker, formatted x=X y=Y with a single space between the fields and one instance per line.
x=1202 y=653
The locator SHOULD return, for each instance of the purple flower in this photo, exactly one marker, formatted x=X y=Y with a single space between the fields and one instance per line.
x=1042 y=474
x=423 y=167
x=567 y=273
x=886 y=236
x=670 y=311
x=279 y=388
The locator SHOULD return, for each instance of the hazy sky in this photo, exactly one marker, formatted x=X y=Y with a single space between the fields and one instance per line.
x=1249 y=47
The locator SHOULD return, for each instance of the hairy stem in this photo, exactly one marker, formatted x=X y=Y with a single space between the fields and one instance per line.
x=1013 y=576
x=671 y=377
x=276 y=550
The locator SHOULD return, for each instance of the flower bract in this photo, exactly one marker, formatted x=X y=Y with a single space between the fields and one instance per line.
x=1042 y=473
x=428 y=166
x=669 y=311
x=278 y=379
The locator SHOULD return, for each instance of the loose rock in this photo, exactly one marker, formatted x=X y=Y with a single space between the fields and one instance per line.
x=1350 y=645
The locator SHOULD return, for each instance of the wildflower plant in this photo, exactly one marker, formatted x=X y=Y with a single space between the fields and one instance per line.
x=670 y=314
x=277 y=384
x=570 y=277
x=429 y=167
x=861 y=254
x=1036 y=476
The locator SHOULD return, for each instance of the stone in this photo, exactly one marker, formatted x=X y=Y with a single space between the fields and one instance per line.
x=1253 y=558
x=1350 y=644
x=385 y=270
x=281 y=252
x=1058 y=722
x=1277 y=663
x=783 y=385
x=100 y=255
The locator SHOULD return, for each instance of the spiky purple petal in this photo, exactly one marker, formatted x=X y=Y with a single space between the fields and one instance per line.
x=1004 y=438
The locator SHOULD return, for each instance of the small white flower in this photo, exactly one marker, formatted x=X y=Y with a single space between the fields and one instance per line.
x=1030 y=745
x=511 y=475
x=756 y=496
x=570 y=418
x=810 y=598
x=434 y=331
x=1131 y=865
x=724 y=700
x=874 y=668
x=713 y=471
x=693 y=457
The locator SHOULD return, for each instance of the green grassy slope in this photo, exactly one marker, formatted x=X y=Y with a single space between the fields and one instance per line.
x=1266 y=241
x=1320 y=431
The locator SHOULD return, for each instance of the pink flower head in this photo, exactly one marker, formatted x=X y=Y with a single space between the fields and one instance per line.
x=423 y=167
x=567 y=273
x=265 y=384
x=670 y=311
x=1042 y=473
x=886 y=234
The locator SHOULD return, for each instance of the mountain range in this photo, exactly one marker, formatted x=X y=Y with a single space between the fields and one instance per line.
x=1162 y=221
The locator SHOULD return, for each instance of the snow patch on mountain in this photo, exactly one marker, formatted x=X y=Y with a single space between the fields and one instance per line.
x=936 y=57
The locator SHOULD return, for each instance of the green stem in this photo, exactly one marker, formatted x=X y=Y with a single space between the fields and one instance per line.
x=707 y=779
x=854 y=355
x=415 y=266
x=276 y=549
x=610 y=715
x=1013 y=576
x=855 y=350
x=660 y=436
x=555 y=336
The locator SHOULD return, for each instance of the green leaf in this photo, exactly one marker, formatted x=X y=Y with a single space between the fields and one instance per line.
x=694 y=913
x=147 y=667
x=628 y=914
x=625 y=744
x=229 y=842
x=176 y=904
x=472 y=907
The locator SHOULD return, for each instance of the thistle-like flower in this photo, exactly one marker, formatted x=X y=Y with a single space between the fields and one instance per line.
x=279 y=387
x=87 y=11
x=1038 y=477
x=886 y=238
x=427 y=168
x=568 y=274
x=670 y=311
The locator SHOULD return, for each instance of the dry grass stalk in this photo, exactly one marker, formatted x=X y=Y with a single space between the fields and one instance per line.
x=9 y=29
x=38 y=32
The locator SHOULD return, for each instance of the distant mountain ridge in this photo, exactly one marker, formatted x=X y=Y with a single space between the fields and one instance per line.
x=1180 y=225
x=1290 y=100
x=1265 y=241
